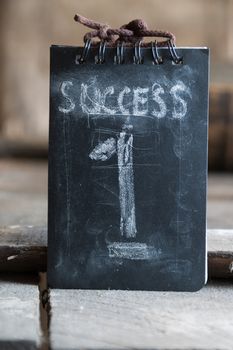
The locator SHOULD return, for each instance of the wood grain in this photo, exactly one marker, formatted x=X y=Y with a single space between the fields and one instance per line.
x=220 y=201
x=23 y=192
x=220 y=253
x=19 y=310
x=221 y=128
x=84 y=319
x=24 y=248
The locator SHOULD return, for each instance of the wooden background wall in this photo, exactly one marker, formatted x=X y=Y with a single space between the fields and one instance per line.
x=29 y=27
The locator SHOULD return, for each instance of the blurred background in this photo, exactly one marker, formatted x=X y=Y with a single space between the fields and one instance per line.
x=29 y=27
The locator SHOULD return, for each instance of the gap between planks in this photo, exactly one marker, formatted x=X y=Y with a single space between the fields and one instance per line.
x=24 y=248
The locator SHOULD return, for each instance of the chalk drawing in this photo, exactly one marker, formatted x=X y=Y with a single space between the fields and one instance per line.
x=104 y=150
x=126 y=182
x=122 y=145
x=124 y=149
x=132 y=251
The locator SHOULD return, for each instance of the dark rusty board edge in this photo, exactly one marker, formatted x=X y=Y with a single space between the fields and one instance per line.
x=220 y=264
x=24 y=249
x=23 y=258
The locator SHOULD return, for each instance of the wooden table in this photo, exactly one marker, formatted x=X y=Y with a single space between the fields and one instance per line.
x=79 y=319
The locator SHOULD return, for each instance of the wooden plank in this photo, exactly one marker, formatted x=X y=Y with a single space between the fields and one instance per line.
x=220 y=253
x=19 y=310
x=23 y=192
x=221 y=125
x=220 y=241
x=87 y=319
x=220 y=201
x=24 y=248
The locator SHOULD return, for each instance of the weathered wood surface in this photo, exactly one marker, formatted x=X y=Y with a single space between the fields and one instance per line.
x=84 y=319
x=24 y=248
x=221 y=127
x=23 y=192
x=220 y=201
x=106 y=319
x=220 y=253
x=19 y=313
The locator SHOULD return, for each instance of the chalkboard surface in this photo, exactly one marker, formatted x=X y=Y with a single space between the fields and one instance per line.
x=127 y=171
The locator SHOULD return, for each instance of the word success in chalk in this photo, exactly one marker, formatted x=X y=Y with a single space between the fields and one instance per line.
x=156 y=101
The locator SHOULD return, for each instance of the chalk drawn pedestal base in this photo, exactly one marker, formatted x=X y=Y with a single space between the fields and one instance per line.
x=132 y=251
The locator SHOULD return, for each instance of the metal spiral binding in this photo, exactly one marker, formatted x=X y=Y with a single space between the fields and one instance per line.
x=172 y=48
x=138 y=59
x=137 y=55
x=157 y=59
x=119 y=57
x=101 y=53
x=86 y=48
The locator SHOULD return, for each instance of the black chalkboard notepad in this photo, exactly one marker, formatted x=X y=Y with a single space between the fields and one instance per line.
x=127 y=170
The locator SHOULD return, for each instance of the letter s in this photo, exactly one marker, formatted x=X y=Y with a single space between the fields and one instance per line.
x=156 y=91
x=69 y=104
x=180 y=105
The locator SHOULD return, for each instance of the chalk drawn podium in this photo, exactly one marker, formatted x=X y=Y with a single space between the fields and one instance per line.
x=122 y=146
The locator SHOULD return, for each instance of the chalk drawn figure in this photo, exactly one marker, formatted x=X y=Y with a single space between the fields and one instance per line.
x=126 y=182
x=123 y=147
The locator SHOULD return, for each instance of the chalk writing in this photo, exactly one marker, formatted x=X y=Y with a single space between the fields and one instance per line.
x=180 y=105
x=69 y=104
x=120 y=101
x=139 y=101
x=157 y=90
